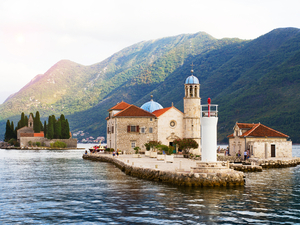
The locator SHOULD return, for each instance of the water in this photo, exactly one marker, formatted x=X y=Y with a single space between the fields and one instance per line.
x=59 y=187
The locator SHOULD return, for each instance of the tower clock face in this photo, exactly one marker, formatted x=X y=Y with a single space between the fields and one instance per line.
x=172 y=123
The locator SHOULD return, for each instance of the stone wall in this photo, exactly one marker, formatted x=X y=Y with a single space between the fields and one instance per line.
x=192 y=122
x=261 y=147
x=176 y=178
x=167 y=133
x=71 y=143
x=124 y=138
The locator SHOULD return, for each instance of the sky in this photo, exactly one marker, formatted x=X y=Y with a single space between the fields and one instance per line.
x=36 y=34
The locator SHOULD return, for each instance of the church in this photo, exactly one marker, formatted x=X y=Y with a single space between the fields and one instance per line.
x=129 y=126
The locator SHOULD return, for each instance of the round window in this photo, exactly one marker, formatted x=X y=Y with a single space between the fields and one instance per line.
x=172 y=123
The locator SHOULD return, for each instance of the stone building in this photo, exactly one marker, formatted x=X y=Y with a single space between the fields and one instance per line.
x=129 y=126
x=26 y=131
x=26 y=134
x=262 y=141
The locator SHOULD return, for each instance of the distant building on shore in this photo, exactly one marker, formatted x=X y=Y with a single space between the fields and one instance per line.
x=26 y=134
x=260 y=140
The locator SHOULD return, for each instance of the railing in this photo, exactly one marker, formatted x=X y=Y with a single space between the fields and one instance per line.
x=209 y=110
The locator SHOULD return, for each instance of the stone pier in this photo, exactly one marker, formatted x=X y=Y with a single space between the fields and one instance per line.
x=182 y=172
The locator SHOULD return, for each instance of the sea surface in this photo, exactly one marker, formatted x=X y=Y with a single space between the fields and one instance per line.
x=59 y=187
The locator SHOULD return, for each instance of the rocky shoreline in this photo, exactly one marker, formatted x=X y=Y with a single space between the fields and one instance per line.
x=180 y=178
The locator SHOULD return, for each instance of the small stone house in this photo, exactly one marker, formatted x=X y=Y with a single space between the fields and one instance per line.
x=262 y=141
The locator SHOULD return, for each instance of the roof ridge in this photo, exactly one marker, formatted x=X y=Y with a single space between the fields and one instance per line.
x=149 y=114
x=252 y=129
x=122 y=110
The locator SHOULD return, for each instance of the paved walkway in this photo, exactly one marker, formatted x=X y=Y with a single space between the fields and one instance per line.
x=153 y=163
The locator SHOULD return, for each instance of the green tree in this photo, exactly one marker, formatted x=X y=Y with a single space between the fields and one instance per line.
x=67 y=134
x=65 y=129
x=13 y=130
x=151 y=145
x=26 y=121
x=7 y=135
x=57 y=129
x=186 y=144
x=37 y=123
x=22 y=122
x=45 y=129
x=50 y=130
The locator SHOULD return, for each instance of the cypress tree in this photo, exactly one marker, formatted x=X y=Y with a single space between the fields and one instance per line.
x=19 y=125
x=50 y=129
x=22 y=122
x=7 y=135
x=37 y=123
x=13 y=131
x=26 y=121
x=67 y=129
x=63 y=126
x=57 y=129
x=41 y=125
x=45 y=129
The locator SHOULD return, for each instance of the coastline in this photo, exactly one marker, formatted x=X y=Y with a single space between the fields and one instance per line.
x=151 y=169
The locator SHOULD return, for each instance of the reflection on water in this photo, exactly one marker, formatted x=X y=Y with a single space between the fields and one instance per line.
x=46 y=187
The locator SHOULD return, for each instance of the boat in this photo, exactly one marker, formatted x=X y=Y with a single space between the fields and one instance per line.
x=97 y=148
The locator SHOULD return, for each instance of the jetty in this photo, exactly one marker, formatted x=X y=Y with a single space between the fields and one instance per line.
x=182 y=172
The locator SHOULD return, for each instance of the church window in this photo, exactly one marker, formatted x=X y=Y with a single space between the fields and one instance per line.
x=191 y=91
x=112 y=129
x=150 y=130
x=108 y=130
x=172 y=123
x=236 y=133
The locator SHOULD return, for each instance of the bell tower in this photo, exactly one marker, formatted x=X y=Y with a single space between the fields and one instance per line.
x=30 y=122
x=192 y=110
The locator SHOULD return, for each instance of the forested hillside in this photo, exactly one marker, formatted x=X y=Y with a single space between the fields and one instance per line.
x=251 y=81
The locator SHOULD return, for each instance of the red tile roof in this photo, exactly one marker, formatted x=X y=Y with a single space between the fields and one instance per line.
x=258 y=130
x=159 y=112
x=41 y=134
x=245 y=125
x=230 y=136
x=134 y=111
x=120 y=106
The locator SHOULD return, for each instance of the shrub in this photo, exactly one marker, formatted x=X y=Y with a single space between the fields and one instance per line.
x=58 y=144
x=38 y=143
x=137 y=149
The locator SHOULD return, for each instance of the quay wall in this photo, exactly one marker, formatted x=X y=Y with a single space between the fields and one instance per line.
x=177 y=178
x=71 y=143
x=277 y=163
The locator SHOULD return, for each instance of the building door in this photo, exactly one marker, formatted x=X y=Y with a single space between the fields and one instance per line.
x=173 y=145
x=273 y=151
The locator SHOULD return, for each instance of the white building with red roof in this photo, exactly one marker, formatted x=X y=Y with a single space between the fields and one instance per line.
x=260 y=140
x=129 y=126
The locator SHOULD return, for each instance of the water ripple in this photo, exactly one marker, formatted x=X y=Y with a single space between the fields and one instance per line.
x=58 y=187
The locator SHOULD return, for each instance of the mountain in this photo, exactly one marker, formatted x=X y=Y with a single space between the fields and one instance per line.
x=251 y=81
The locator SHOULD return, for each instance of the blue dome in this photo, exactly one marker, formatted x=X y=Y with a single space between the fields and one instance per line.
x=151 y=106
x=192 y=80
